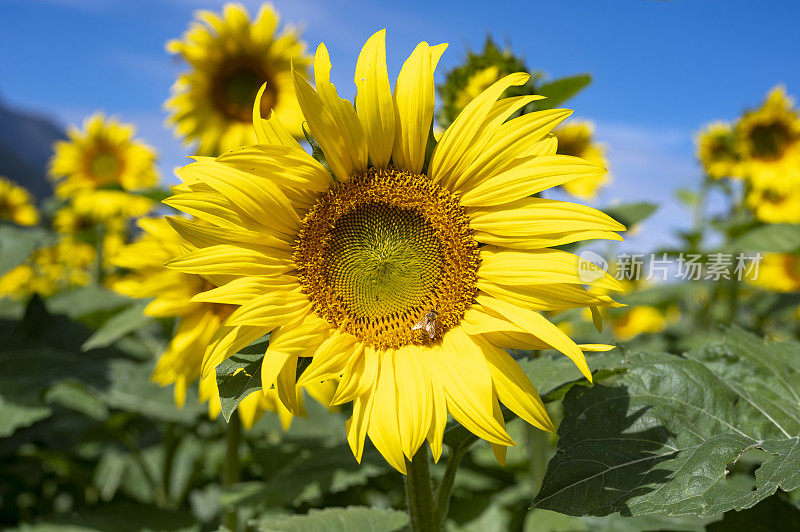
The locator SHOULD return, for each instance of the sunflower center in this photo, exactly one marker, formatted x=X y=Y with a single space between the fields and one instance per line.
x=389 y=257
x=104 y=167
x=769 y=140
x=235 y=88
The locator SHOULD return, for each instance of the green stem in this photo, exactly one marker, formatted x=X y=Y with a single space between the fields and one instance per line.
x=419 y=494
x=446 y=485
x=231 y=472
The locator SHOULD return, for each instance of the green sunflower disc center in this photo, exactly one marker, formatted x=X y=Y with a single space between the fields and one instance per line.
x=384 y=260
x=770 y=140
x=382 y=252
x=236 y=87
x=104 y=166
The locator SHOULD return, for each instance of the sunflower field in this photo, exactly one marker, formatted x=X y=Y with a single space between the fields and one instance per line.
x=409 y=302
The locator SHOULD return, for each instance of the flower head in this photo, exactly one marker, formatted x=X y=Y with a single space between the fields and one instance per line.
x=230 y=57
x=477 y=73
x=64 y=265
x=779 y=272
x=16 y=204
x=575 y=139
x=103 y=155
x=717 y=151
x=174 y=295
x=404 y=275
x=769 y=140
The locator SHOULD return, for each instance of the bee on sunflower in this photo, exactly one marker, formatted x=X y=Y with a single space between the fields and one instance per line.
x=179 y=295
x=576 y=139
x=230 y=58
x=341 y=262
x=16 y=204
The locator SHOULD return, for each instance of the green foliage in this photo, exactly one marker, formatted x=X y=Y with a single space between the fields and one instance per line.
x=239 y=376
x=776 y=238
x=350 y=519
x=17 y=243
x=630 y=214
x=558 y=91
x=668 y=432
x=116 y=327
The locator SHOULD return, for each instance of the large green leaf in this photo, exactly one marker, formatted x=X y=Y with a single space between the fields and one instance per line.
x=663 y=439
x=118 y=326
x=240 y=375
x=777 y=238
x=560 y=90
x=119 y=518
x=350 y=519
x=630 y=214
x=17 y=243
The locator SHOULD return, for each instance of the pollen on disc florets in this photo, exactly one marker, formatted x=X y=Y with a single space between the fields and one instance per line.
x=377 y=253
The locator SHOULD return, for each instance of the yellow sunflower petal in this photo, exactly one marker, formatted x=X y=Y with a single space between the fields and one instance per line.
x=374 y=103
x=414 y=99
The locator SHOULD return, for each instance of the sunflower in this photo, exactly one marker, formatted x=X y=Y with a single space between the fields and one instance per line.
x=769 y=139
x=641 y=319
x=575 y=139
x=230 y=58
x=778 y=272
x=775 y=205
x=16 y=204
x=104 y=155
x=180 y=295
x=66 y=264
x=402 y=277
x=478 y=72
x=716 y=150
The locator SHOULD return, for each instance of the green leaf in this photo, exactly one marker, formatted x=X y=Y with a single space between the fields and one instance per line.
x=772 y=238
x=662 y=440
x=119 y=518
x=156 y=194
x=546 y=521
x=17 y=243
x=350 y=519
x=239 y=376
x=560 y=90
x=86 y=300
x=630 y=214
x=118 y=326
x=773 y=513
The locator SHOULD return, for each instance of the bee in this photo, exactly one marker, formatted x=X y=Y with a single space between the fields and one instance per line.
x=427 y=324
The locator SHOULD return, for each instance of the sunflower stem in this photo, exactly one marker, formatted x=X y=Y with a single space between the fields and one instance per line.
x=419 y=494
x=231 y=471
x=446 y=485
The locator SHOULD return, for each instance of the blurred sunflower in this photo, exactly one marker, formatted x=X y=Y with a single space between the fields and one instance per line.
x=16 y=204
x=230 y=58
x=775 y=205
x=641 y=319
x=64 y=265
x=716 y=149
x=576 y=139
x=377 y=272
x=778 y=272
x=769 y=140
x=104 y=155
x=181 y=295
x=477 y=73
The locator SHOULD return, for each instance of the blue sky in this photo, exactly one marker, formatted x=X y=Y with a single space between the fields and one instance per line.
x=662 y=69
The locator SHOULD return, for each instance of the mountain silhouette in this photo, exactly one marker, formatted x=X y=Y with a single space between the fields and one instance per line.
x=26 y=144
